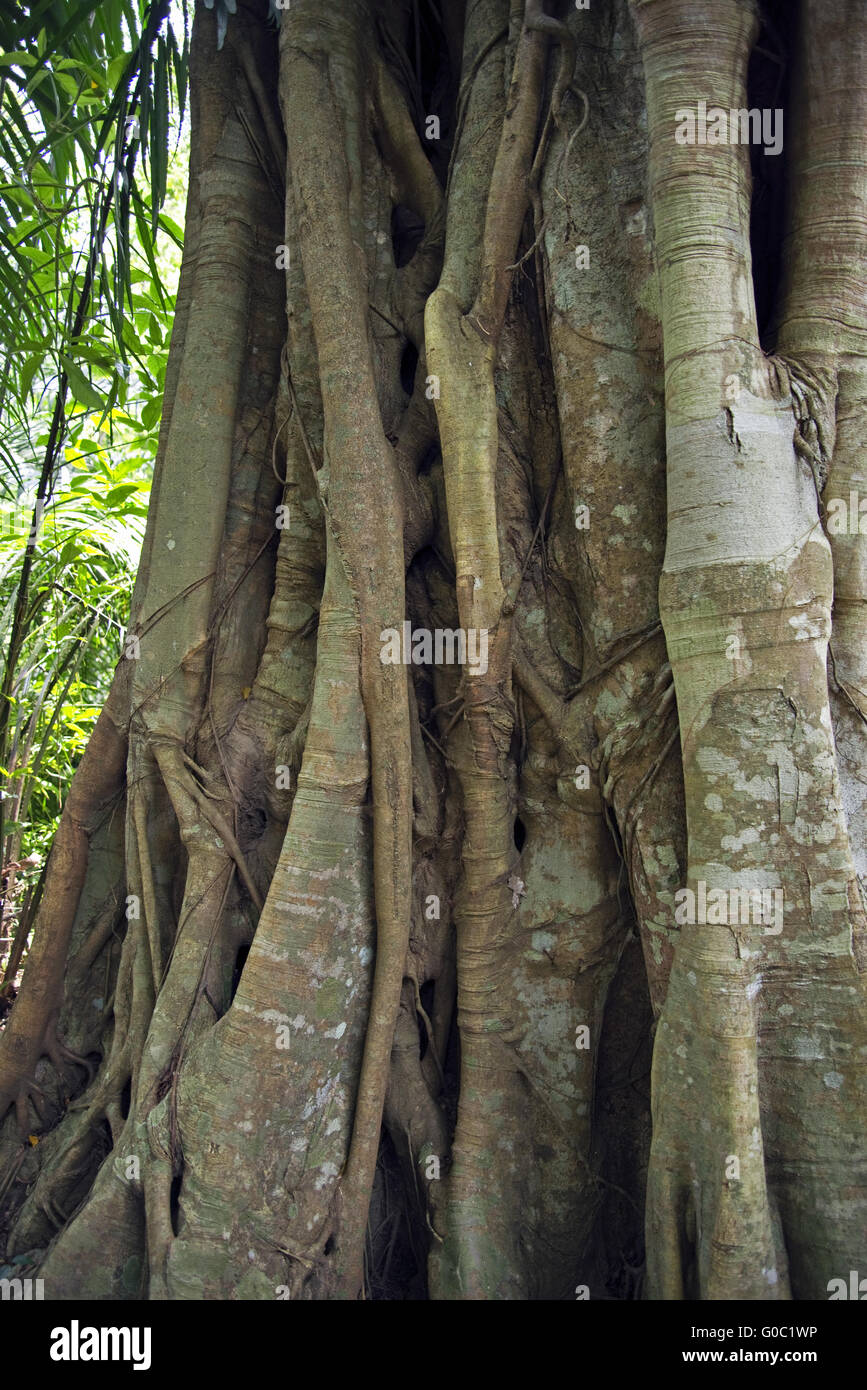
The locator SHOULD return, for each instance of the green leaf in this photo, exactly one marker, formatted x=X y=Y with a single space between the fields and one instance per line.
x=80 y=387
x=38 y=77
x=120 y=493
x=159 y=132
x=40 y=258
x=116 y=69
x=28 y=372
x=70 y=552
x=169 y=225
x=151 y=413
x=69 y=84
x=91 y=354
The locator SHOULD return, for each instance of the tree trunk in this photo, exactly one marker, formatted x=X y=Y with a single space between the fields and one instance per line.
x=480 y=738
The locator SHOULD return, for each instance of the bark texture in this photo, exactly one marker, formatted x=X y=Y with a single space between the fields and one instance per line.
x=359 y=964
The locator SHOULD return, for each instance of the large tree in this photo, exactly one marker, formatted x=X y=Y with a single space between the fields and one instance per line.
x=349 y=970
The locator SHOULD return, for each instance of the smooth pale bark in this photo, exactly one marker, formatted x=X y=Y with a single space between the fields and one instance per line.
x=745 y=599
x=821 y=336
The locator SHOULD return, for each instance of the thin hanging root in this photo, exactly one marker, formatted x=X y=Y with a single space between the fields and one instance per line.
x=202 y=776
x=59 y=1053
x=49 y=1208
x=846 y=689
x=228 y=838
x=438 y=746
x=645 y=635
x=62 y=1174
x=511 y=598
x=541 y=222
x=174 y=769
x=446 y=704
x=536 y=19
x=428 y=1027
x=538 y=22
x=652 y=772
x=310 y=1256
x=436 y=1235
x=276 y=138
x=454 y=719
x=146 y=879
x=176 y=1060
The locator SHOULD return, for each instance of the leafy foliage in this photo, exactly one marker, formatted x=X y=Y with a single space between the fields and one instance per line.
x=92 y=99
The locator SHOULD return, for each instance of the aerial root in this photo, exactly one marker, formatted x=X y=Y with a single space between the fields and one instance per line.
x=59 y=1053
